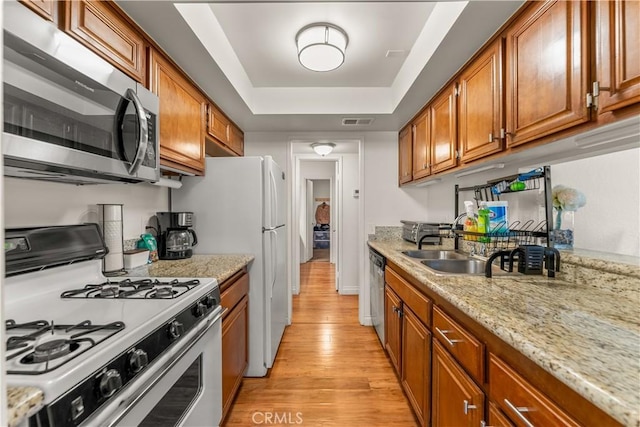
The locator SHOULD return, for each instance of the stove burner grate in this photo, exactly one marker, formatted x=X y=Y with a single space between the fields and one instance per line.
x=133 y=289
x=54 y=349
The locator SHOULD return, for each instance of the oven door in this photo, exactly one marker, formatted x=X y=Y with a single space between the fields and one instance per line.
x=183 y=389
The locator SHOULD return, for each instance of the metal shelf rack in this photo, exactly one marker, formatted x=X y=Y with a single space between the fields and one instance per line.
x=509 y=236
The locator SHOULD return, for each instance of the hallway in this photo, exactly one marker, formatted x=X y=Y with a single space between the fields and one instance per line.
x=329 y=371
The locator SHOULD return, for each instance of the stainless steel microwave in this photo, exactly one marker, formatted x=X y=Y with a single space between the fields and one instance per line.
x=70 y=116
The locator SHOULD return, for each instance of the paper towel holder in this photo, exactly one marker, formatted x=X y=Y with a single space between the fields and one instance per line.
x=110 y=220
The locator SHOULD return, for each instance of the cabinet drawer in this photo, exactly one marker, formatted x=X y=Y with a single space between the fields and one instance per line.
x=419 y=304
x=234 y=293
x=461 y=344
x=520 y=401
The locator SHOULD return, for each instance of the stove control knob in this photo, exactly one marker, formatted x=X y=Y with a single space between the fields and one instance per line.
x=175 y=329
x=138 y=359
x=110 y=382
x=199 y=309
x=209 y=301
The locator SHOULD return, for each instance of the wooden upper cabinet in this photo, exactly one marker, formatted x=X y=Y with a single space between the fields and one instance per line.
x=405 y=154
x=97 y=25
x=416 y=364
x=393 y=327
x=220 y=128
x=444 y=131
x=457 y=400
x=218 y=125
x=45 y=8
x=182 y=117
x=617 y=53
x=236 y=140
x=547 y=75
x=480 y=121
x=421 y=151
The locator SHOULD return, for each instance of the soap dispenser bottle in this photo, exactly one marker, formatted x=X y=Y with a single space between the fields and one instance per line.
x=470 y=224
x=483 y=222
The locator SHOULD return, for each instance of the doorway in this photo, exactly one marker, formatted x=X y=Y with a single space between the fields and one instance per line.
x=319 y=211
x=343 y=170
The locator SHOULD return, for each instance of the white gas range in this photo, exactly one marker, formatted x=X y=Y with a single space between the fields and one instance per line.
x=108 y=351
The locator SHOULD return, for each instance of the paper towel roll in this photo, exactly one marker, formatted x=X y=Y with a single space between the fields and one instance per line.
x=110 y=216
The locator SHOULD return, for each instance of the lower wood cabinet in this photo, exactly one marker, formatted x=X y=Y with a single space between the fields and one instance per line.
x=457 y=400
x=416 y=364
x=393 y=327
x=235 y=321
x=520 y=400
x=497 y=418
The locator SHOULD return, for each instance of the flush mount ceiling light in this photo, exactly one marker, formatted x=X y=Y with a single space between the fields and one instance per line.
x=323 y=148
x=321 y=46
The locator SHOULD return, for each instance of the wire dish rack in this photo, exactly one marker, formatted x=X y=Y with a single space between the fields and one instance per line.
x=501 y=238
x=509 y=236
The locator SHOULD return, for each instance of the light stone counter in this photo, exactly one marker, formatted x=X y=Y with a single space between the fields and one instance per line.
x=22 y=402
x=221 y=267
x=582 y=327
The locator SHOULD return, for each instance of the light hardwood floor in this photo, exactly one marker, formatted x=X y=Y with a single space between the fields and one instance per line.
x=329 y=371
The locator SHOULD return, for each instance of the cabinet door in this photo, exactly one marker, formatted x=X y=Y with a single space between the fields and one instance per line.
x=234 y=351
x=218 y=125
x=547 y=70
x=444 y=131
x=618 y=53
x=182 y=117
x=236 y=140
x=405 y=154
x=98 y=26
x=497 y=418
x=457 y=400
x=521 y=401
x=393 y=327
x=480 y=105
x=416 y=363
x=421 y=152
x=44 y=8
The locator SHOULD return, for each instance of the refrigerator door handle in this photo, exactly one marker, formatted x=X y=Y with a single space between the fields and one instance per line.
x=274 y=199
x=274 y=257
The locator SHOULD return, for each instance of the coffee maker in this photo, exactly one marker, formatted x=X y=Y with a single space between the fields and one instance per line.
x=175 y=237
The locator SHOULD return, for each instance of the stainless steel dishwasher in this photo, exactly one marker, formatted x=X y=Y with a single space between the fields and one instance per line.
x=376 y=289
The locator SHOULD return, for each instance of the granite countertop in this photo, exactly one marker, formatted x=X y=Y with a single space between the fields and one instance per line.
x=218 y=266
x=23 y=402
x=583 y=327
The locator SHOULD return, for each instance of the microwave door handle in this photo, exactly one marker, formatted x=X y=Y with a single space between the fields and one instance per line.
x=143 y=131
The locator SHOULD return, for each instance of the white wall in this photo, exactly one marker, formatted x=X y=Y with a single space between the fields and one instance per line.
x=33 y=203
x=610 y=221
x=321 y=189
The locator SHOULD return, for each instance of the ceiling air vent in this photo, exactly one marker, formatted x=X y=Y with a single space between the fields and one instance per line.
x=356 y=121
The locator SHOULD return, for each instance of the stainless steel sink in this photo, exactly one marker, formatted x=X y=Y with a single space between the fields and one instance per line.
x=457 y=266
x=435 y=254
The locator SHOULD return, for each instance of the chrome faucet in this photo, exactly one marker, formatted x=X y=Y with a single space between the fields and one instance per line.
x=456 y=221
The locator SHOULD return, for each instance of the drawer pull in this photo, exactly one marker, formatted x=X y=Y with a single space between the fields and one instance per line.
x=447 y=339
x=467 y=407
x=518 y=411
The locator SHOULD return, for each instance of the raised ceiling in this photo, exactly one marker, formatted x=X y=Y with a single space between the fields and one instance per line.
x=243 y=55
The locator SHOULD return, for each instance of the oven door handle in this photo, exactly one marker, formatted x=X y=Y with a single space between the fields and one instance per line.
x=131 y=395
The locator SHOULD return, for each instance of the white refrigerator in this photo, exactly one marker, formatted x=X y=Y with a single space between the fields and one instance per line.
x=239 y=206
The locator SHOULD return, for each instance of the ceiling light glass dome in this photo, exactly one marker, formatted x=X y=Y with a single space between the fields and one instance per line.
x=321 y=46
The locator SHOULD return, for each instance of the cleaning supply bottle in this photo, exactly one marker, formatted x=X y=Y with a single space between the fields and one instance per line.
x=483 y=222
x=470 y=224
